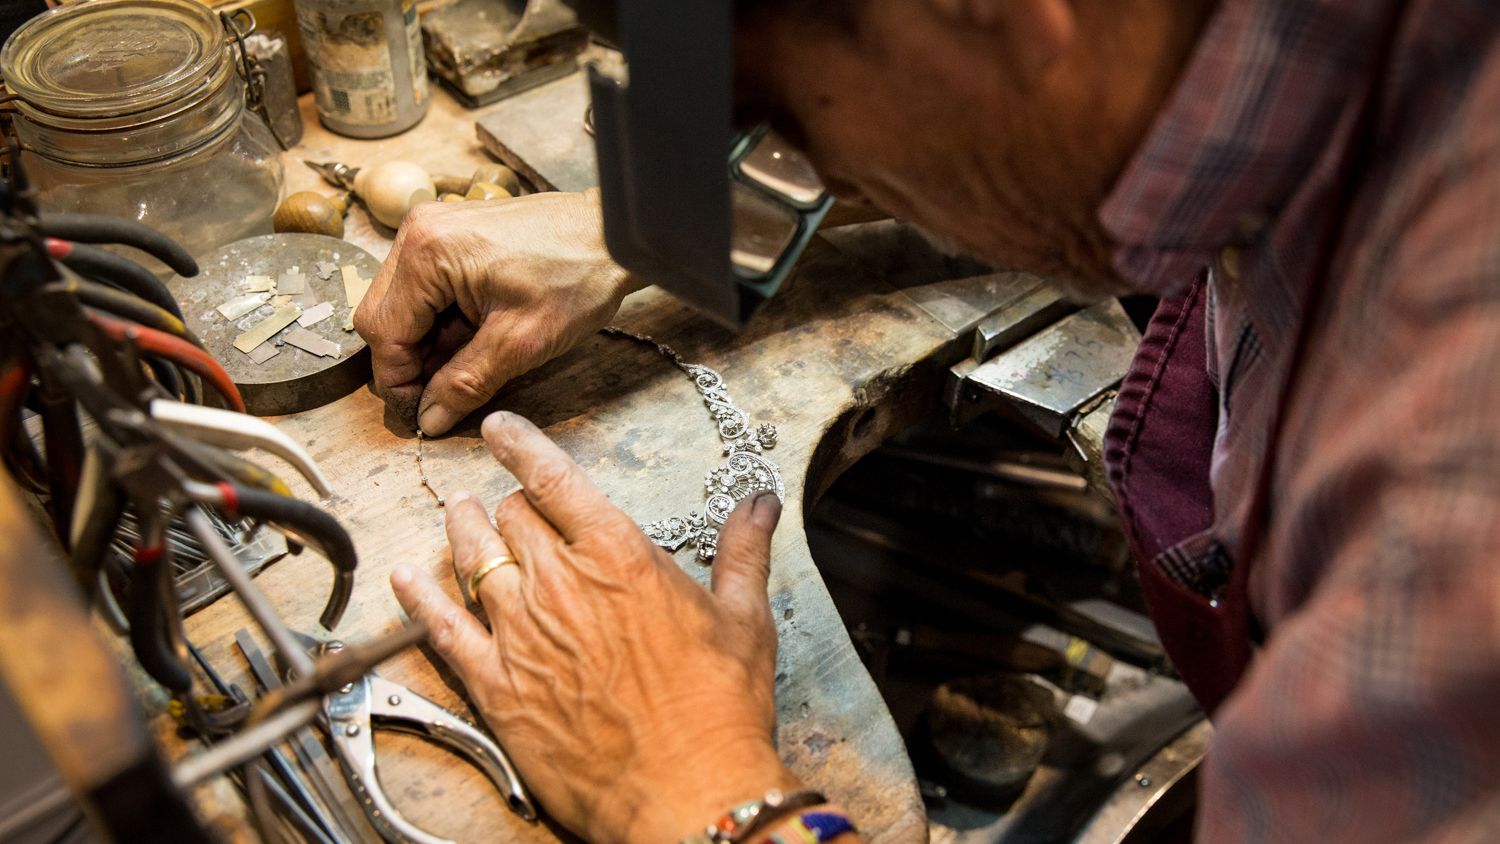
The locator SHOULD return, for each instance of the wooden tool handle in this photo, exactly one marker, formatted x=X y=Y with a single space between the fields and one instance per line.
x=389 y=190
x=486 y=174
x=496 y=174
x=487 y=190
x=309 y=211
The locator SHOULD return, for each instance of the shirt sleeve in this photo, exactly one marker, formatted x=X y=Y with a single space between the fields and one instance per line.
x=1372 y=713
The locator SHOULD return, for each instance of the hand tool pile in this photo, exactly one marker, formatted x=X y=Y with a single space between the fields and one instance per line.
x=388 y=190
x=94 y=353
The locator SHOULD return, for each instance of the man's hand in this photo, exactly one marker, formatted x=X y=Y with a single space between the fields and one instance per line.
x=530 y=277
x=637 y=705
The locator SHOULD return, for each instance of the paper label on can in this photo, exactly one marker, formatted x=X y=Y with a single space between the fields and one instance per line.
x=414 y=51
x=351 y=63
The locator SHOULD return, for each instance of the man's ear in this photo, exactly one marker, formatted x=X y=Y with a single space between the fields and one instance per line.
x=1037 y=32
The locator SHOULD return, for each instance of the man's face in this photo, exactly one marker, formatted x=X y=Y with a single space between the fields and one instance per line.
x=933 y=124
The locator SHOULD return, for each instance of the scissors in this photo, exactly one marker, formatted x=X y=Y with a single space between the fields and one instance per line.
x=355 y=710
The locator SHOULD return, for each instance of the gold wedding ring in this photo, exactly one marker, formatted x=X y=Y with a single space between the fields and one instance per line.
x=484 y=570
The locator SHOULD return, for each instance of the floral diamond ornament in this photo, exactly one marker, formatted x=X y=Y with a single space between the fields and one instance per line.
x=743 y=474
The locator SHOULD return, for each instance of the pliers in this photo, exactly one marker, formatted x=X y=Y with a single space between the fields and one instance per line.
x=225 y=429
x=163 y=476
x=304 y=524
x=353 y=711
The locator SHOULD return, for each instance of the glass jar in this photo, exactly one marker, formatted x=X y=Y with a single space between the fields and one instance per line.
x=135 y=108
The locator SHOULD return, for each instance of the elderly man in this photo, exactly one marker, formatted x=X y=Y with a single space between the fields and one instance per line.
x=1306 y=453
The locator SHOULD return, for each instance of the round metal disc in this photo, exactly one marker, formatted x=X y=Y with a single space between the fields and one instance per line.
x=294 y=379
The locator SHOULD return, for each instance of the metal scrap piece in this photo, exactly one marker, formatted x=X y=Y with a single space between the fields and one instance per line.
x=241 y=305
x=326 y=269
x=294 y=381
x=316 y=314
x=258 y=284
x=291 y=283
x=310 y=342
x=267 y=328
x=264 y=352
x=280 y=301
x=355 y=286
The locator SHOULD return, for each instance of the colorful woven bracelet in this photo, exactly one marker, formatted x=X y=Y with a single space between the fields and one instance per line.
x=815 y=825
x=744 y=820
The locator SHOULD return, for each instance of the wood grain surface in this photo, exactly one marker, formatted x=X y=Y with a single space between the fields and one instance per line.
x=839 y=361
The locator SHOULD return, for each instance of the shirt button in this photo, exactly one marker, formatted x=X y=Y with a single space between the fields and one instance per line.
x=1229 y=259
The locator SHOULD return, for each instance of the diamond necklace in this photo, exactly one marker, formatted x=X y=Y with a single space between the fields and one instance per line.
x=743 y=473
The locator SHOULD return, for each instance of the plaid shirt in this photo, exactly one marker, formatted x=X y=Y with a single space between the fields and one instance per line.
x=1372 y=712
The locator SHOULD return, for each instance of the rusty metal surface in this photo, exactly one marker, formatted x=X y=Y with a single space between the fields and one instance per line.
x=294 y=380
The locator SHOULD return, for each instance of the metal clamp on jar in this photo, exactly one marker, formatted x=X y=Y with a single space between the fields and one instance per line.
x=134 y=108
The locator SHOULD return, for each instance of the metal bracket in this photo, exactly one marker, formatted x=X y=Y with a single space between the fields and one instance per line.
x=1052 y=377
x=1020 y=318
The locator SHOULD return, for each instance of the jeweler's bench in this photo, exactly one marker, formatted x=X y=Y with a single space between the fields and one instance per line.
x=839 y=361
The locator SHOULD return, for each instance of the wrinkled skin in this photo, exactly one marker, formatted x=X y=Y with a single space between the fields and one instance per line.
x=613 y=679
x=995 y=126
x=530 y=278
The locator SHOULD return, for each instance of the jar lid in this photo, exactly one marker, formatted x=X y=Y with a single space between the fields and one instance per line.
x=102 y=58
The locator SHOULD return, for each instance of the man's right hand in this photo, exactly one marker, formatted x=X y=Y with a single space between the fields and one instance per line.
x=637 y=705
x=530 y=277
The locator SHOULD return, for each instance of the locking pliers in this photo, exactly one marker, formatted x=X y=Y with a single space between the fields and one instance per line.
x=352 y=712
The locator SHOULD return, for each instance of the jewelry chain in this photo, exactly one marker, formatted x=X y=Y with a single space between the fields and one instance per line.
x=441 y=502
x=743 y=473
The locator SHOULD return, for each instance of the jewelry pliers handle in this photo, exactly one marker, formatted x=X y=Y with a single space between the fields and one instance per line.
x=378 y=702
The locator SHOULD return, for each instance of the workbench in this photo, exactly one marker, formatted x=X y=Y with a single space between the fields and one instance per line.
x=851 y=352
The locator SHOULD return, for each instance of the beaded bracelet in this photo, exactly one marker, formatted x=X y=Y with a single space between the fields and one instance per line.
x=815 y=825
x=743 y=821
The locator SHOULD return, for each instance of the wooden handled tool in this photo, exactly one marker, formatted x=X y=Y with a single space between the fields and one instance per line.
x=489 y=181
x=312 y=212
x=388 y=191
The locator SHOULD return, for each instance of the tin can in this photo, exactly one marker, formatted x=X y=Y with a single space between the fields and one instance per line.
x=368 y=70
